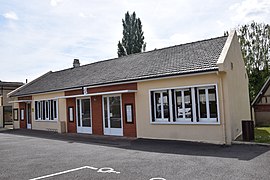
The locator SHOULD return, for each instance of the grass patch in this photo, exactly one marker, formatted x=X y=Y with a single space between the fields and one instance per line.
x=262 y=134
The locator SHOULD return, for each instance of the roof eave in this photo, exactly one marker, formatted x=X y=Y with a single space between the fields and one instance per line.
x=224 y=52
x=123 y=81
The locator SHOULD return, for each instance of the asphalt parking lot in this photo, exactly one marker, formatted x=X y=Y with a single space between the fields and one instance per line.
x=36 y=155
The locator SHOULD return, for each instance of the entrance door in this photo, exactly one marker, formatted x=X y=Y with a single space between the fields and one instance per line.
x=112 y=115
x=84 y=124
x=28 y=115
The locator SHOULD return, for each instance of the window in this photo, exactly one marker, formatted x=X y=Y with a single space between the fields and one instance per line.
x=207 y=104
x=47 y=107
x=46 y=110
x=188 y=105
x=183 y=105
x=22 y=114
x=161 y=103
x=15 y=114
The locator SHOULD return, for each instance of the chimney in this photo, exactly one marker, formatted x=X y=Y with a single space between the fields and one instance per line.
x=76 y=63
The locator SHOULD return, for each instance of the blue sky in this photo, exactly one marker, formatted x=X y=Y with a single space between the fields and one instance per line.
x=37 y=36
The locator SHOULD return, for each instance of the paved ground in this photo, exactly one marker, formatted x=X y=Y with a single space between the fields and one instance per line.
x=33 y=155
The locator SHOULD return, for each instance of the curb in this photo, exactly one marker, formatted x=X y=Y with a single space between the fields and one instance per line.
x=250 y=143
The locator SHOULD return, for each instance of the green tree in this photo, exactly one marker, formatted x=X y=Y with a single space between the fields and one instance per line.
x=255 y=45
x=133 y=38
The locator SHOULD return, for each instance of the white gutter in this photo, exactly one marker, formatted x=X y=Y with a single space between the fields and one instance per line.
x=97 y=94
x=18 y=101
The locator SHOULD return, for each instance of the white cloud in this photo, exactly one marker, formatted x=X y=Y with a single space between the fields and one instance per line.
x=55 y=2
x=11 y=15
x=84 y=15
x=49 y=38
x=250 y=10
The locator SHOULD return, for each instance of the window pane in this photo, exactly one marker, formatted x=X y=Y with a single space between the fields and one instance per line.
x=86 y=116
x=51 y=109
x=79 y=112
x=47 y=109
x=179 y=105
x=105 y=111
x=212 y=103
x=188 y=105
x=202 y=100
x=115 y=112
x=22 y=114
x=43 y=110
x=158 y=105
x=166 y=104
x=55 y=109
x=39 y=110
x=36 y=110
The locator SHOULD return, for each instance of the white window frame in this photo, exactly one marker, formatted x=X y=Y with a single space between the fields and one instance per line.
x=208 y=118
x=183 y=119
x=40 y=111
x=162 y=119
x=194 y=106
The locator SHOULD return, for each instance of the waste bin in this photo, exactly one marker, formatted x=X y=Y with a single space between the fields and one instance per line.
x=248 y=130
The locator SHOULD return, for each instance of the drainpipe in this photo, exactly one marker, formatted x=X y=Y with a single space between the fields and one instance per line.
x=2 y=104
x=223 y=105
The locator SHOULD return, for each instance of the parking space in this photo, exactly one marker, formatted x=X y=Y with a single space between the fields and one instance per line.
x=28 y=155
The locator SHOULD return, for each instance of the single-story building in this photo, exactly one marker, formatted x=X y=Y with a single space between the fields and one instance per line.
x=261 y=105
x=5 y=106
x=196 y=92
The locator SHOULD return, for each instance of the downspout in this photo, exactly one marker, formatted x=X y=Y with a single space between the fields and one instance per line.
x=223 y=105
x=2 y=104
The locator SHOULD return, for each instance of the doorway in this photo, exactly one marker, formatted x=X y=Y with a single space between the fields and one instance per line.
x=84 y=116
x=112 y=115
x=28 y=116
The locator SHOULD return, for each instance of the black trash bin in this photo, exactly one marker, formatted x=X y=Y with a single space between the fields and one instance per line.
x=248 y=130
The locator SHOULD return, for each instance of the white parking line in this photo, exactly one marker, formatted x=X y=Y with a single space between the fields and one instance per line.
x=101 y=170
x=59 y=173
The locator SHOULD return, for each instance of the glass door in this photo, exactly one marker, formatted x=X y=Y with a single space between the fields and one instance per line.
x=84 y=120
x=112 y=115
x=28 y=115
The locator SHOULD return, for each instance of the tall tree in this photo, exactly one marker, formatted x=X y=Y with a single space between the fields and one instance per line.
x=133 y=38
x=255 y=45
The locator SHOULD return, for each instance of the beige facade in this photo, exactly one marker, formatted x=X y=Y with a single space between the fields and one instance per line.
x=235 y=82
x=233 y=100
x=50 y=125
x=191 y=132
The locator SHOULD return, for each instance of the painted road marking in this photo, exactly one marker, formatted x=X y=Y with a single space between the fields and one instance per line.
x=107 y=170
x=99 y=170
x=157 y=178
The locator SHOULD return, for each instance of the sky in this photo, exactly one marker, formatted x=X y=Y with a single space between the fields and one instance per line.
x=37 y=36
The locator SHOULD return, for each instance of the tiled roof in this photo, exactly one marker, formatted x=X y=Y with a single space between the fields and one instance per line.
x=10 y=84
x=187 y=58
x=261 y=92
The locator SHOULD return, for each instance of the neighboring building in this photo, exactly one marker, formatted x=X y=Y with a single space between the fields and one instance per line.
x=196 y=91
x=261 y=105
x=5 y=106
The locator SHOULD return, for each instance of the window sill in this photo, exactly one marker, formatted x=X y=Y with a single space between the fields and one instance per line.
x=185 y=123
x=46 y=120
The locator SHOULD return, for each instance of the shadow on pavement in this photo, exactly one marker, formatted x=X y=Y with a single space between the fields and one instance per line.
x=241 y=152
